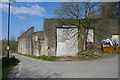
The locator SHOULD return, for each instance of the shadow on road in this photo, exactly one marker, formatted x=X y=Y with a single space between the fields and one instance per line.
x=8 y=65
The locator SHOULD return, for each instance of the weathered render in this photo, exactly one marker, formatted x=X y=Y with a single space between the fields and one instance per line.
x=67 y=41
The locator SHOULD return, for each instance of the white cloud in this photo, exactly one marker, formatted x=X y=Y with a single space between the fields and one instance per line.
x=33 y=10
x=3 y=0
x=20 y=17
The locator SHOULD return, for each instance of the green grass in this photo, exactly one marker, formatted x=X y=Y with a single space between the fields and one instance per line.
x=8 y=67
x=109 y=52
x=68 y=60
x=43 y=57
x=90 y=54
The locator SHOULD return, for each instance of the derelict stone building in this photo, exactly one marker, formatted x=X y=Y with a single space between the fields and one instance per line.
x=61 y=36
x=31 y=43
x=38 y=43
x=25 y=42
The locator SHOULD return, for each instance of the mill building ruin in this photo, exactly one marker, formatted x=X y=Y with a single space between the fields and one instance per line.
x=61 y=37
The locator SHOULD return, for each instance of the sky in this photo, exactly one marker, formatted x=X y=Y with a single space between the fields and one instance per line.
x=25 y=15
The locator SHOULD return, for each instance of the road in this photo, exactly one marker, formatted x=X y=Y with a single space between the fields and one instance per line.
x=34 y=68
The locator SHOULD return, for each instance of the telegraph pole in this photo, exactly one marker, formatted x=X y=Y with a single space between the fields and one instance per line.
x=119 y=21
x=8 y=48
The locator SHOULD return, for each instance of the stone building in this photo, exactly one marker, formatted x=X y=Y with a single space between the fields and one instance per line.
x=31 y=43
x=38 y=43
x=60 y=43
x=61 y=36
x=25 y=42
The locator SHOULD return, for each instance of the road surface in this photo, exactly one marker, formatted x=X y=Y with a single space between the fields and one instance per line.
x=34 y=68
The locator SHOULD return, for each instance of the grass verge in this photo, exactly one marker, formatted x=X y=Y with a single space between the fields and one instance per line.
x=43 y=57
x=8 y=66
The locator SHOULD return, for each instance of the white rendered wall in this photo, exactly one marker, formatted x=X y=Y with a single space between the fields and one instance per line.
x=117 y=37
x=67 y=42
x=90 y=36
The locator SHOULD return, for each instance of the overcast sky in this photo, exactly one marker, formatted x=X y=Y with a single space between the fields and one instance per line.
x=25 y=15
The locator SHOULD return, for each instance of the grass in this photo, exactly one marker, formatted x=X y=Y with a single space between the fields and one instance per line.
x=8 y=66
x=109 y=52
x=84 y=55
x=89 y=54
x=68 y=60
x=43 y=57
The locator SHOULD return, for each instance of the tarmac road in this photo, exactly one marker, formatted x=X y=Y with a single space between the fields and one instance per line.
x=34 y=68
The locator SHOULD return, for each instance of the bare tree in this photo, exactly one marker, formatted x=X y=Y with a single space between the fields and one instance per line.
x=79 y=10
x=13 y=38
x=109 y=10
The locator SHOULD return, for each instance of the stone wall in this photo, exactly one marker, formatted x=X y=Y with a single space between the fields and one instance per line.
x=38 y=43
x=103 y=28
x=25 y=42
x=50 y=29
x=31 y=43
x=45 y=42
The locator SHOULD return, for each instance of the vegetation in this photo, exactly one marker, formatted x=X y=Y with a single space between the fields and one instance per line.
x=89 y=53
x=3 y=46
x=8 y=66
x=93 y=54
x=93 y=13
x=111 y=11
x=79 y=10
x=13 y=46
x=43 y=57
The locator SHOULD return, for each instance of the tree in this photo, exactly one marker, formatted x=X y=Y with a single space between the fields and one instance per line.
x=3 y=46
x=13 y=38
x=13 y=44
x=109 y=10
x=79 y=10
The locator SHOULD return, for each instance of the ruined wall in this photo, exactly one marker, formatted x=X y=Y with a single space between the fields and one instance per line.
x=38 y=43
x=25 y=42
x=103 y=28
x=50 y=29
x=50 y=36
x=31 y=43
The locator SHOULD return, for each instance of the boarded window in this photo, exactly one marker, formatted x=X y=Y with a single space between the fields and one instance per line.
x=36 y=38
x=90 y=36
